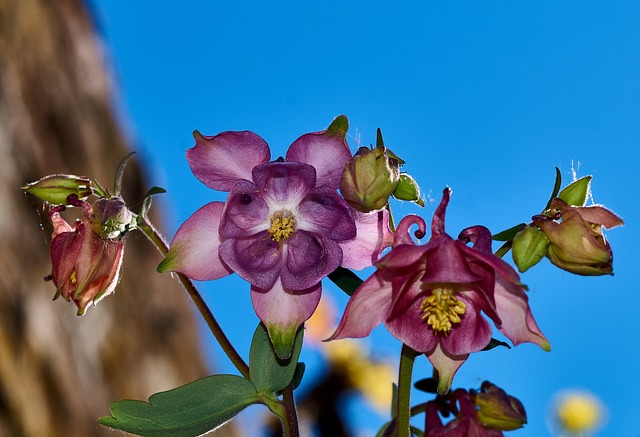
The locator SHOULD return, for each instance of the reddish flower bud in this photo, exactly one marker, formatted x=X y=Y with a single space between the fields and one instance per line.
x=86 y=258
x=576 y=241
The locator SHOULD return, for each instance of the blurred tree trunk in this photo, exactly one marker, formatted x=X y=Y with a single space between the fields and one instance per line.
x=58 y=371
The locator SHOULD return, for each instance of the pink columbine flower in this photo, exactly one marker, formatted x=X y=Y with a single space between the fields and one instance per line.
x=465 y=424
x=430 y=297
x=283 y=226
x=86 y=258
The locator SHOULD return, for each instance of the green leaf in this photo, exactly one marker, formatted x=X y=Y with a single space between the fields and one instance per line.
x=387 y=429
x=575 y=194
x=394 y=400
x=190 y=410
x=379 y=140
x=508 y=234
x=146 y=201
x=346 y=280
x=427 y=385
x=556 y=188
x=529 y=246
x=495 y=343
x=339 y=126
x=269 y=373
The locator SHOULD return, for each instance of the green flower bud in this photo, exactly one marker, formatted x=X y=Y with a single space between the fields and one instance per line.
x=111 y=218
x=529 y=246
x=408 y=189
x=369 y=178
x=56 y=188
x=498 y=410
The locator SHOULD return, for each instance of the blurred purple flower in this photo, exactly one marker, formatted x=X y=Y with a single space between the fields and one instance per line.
x=430 y=297
x=283 y=227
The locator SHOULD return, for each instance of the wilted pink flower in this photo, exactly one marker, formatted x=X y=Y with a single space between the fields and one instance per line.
x=283 y=227
x=497 y=409
x=576 y=243
x=430 y=297
x=86 y=258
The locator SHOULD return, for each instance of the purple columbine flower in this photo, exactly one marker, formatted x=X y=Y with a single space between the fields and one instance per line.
x=430 y=297
x=283 y=227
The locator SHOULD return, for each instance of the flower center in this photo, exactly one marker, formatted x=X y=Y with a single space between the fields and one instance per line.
x=441 y=309
x=283 y=224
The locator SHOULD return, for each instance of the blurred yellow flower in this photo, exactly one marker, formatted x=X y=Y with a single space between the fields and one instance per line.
x=578 y=412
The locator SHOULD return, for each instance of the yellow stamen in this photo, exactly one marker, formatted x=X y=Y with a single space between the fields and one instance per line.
x=283 y=224
x=441 y=309
x=73 y=278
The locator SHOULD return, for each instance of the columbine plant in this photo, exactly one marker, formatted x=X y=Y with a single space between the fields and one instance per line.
x=283 y=228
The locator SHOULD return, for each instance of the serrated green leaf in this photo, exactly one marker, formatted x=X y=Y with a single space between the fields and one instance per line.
x=575 y=194
x=529 y=246
x=190 y=410
x=495 y=343
x=346 y=280
x=269 y=373
x=508 y=234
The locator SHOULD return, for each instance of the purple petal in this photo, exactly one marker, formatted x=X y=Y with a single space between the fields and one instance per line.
x=283 y=311
x=308 y=258
x=220 y=160
x=403 y=236
x=246 y=213
x=327 y=151
x=518 y=324
x=256 y=259
x=447 y=366
x=194 y=249
x=284 y=183
x=366 y=309
x=472 y=334
x=437 y=223
x=404 y=257
x=64 y=251
x=325 y=212
x=409 y=327
x=446 y=262
x=372 y=237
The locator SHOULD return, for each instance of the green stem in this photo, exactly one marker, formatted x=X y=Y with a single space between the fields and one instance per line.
x=291 y=416
x=407 y=357
x=154 y=236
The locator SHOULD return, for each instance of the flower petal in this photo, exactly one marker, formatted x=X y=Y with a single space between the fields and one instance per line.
x=446 y=262
x=308 y=258
x=327 y=151
x=256 y=259
x=402 y=235
x=447 y=366
x=194 y=249
x=245 y=213
x=518 y=324
x=218 y=161
x=409 y=327
x=366 y=309
x=325 y=212
x=599 y=215
x=472 y=334
x=283 y=311
x=284 y=184
x=372 y=237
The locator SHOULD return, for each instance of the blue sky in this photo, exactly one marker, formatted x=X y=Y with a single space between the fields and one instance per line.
x=484 y=97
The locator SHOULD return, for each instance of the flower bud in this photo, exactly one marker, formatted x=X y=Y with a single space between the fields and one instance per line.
x=85 y=263
x=408 y=189
x=56 y=188
x=111 y=218
x=529 y=247
x=498 y=410
x=576 y=242
x=369 y=178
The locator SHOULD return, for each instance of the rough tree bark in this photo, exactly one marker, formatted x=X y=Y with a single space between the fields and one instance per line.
x=58 y=371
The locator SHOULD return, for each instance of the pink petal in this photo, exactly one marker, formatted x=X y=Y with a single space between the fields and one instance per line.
x=408 y=327
x=403 y=236
x=372 y=237
x=308 y=258
x=194 y=249
x=472 y=334
x=256 y=259
x=447 y=366
x=245 y=213
x=518 y=324
x=64 y=251
x=366 y=309
x=284 y=183
x=327 y=151
x=283 y=311
x=447 y=263
x=325 y=212
x=599 y=215
x=218 y=161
